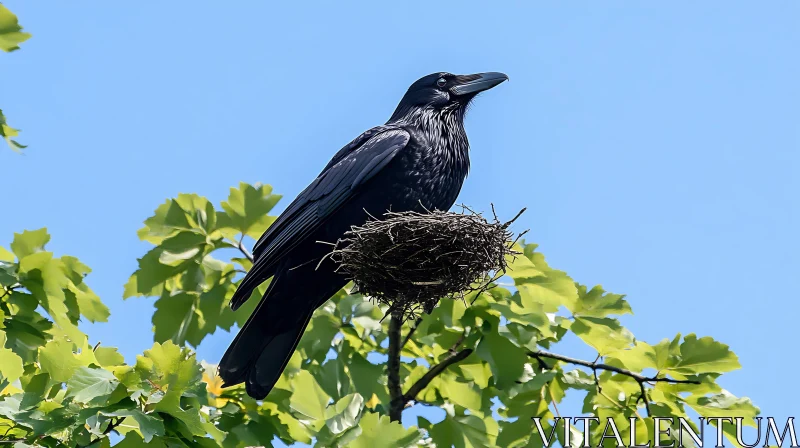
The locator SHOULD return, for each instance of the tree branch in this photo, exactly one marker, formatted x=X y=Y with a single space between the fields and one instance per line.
x=600 y=366
x=595 y=366
x=7 y=290
x=410 y=333
x=244 y=250
x=423 y=382
x=397 y=402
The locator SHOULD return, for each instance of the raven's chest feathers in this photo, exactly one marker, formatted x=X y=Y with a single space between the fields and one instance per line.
x=432 y=168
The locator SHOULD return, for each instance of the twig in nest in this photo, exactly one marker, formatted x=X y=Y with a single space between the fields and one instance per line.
x=410 y=260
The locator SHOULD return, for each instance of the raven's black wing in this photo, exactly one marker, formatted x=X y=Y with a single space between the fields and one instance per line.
x=357 y=142
x=350 y=168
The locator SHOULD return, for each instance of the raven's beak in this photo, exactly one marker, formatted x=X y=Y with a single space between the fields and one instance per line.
x=472 y=84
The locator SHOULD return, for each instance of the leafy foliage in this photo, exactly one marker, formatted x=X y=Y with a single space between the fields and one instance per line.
x=11 y=35
x=473 y=361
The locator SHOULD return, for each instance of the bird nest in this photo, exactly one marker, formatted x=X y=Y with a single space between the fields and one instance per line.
x=409 y=260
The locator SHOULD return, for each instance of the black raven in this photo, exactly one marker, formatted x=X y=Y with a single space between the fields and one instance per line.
x=417 y=161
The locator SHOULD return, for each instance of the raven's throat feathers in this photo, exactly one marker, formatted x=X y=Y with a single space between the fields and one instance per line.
x=444 y=131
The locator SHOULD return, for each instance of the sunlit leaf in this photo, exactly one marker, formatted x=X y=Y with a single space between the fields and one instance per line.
x=58 y=360
x=596 y=302
x=10 y=363
x=467 y=431
x=344 y=414
x=308 y=398
x=705 y=355
x=88 y=385
x=11 y=34
x=505 y=359
x=604 y=334
x=378 y=432
x=247 y=208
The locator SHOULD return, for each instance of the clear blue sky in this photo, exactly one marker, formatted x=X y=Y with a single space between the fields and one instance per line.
x=657 y=146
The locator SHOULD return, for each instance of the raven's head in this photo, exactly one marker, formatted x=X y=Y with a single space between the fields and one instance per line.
x=445 y=92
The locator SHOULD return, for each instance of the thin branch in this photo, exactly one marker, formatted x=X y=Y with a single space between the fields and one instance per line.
x=644 y=398
x=244 y=250
x=7 y=290
x=411 y=332
x=601 y=366
x=553 y=399
x=595 y=366
x=542 y=365
x=594 y=373
x=397 y=402
x=112 y=426
x=423 y=382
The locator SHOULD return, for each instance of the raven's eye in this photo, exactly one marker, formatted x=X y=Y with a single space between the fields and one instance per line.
x=441 y=82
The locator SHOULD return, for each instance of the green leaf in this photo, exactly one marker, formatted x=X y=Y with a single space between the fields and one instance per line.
x=46 y=279
x=724 y=404
x=89 y=304
x=247 y=207
x=505 y=359
x=11 y=34
x=8 y=133
x=316 y=341
x=168 y=365
x=468 y=431
x=58 y=360
x=134 y=440
x=187 y=212
x=6 y=256
x=367 y=377
x=727 y=405
x=643 y=355
x=173 y=316
x=108 y=356
x=604 y=334
x=11 y=366
x=29 y=242
x=26 y=333
x=168 y=218
x=705 y=355
x=344 y=414
x=308 y=398
x=333 y=379
x=537 y=282
x=173 y=256
x=598 y=303
x=466 y=395
x=149 y=425
x=174 y=372
x=474 y=369
x=377 y=431
x=91 y=385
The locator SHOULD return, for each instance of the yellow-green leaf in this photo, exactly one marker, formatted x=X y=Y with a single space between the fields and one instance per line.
x=11 y=34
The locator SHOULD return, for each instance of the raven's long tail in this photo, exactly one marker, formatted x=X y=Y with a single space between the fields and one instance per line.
x=263 y=347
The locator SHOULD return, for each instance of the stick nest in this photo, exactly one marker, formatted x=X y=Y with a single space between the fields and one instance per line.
x=409 y=260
